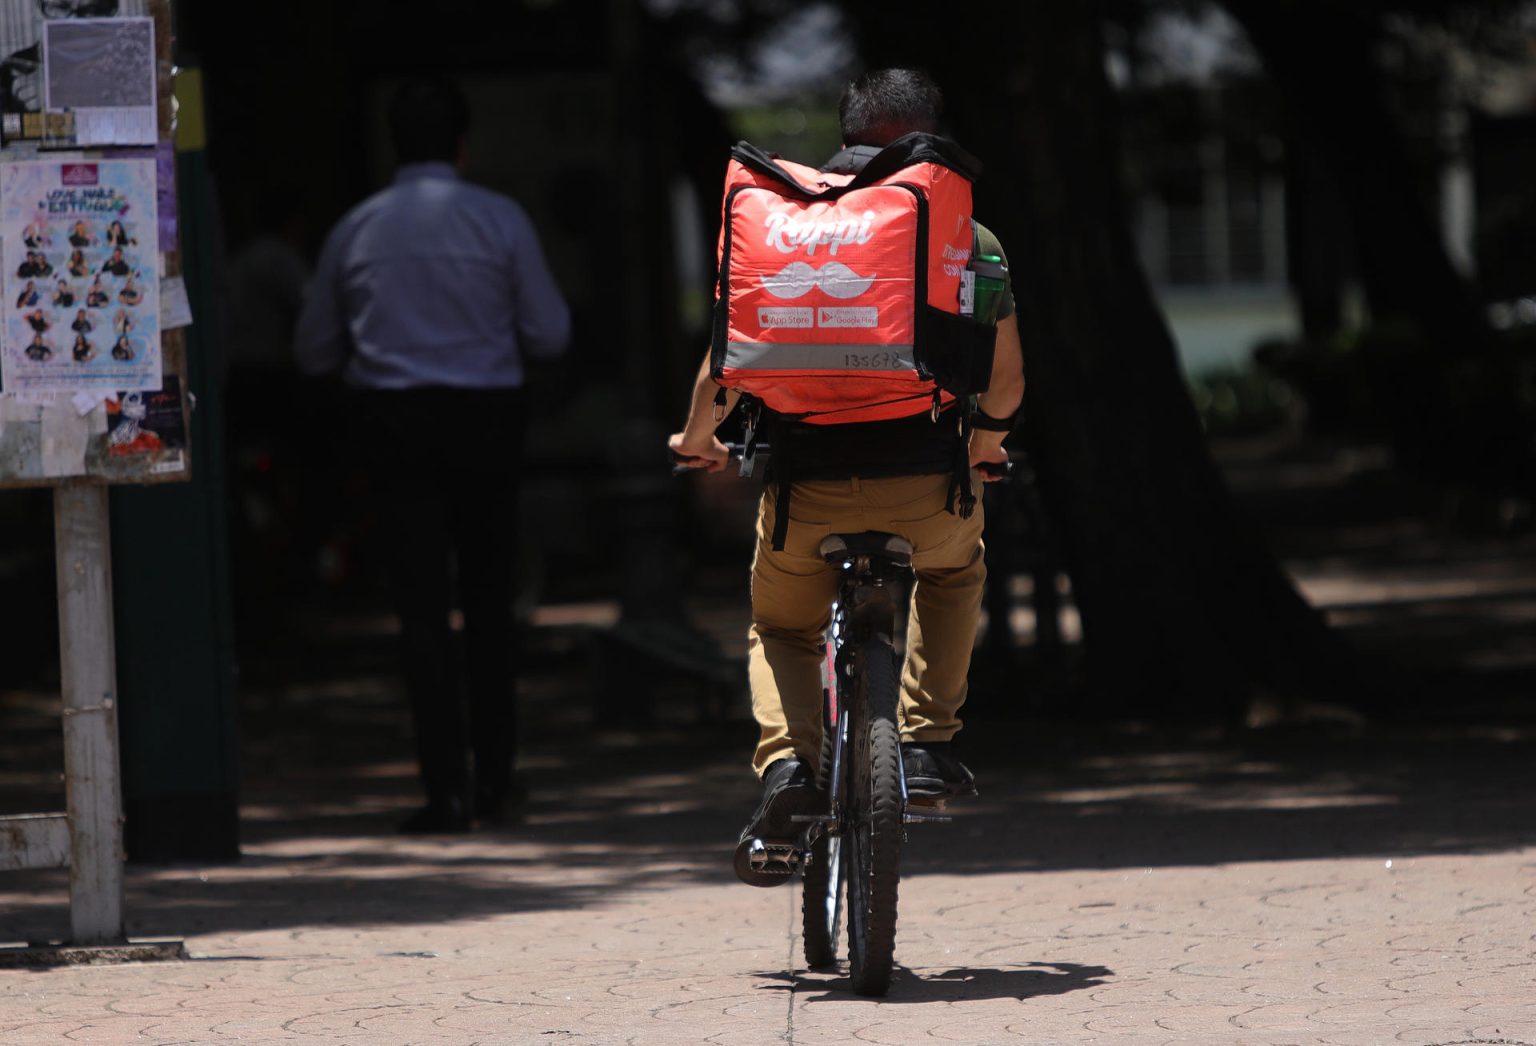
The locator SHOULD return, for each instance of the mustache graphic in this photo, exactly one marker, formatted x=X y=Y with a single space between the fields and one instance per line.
x=798 y=279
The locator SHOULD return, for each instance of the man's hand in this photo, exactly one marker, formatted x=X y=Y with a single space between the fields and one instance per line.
x=699 y=452
x=988 y=446
x=696 y=446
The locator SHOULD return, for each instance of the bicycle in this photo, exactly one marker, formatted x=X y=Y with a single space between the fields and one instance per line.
x=853 y=850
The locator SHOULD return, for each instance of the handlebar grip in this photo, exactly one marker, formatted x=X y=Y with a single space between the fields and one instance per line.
x=679 y=462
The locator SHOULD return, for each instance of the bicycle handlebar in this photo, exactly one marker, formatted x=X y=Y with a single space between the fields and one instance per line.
x=996 y=469
x=679 y=461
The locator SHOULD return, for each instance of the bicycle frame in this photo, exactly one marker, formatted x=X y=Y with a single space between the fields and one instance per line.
x=854 y=849
x=865 y=609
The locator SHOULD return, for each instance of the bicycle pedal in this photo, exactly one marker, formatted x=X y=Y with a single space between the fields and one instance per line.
x=765 y=864
x=927 y=803
x=911 y=818
x=766 y=856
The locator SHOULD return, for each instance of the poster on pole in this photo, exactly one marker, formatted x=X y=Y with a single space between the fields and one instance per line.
x=21 y=54
x=81 y=310
x=103 y=71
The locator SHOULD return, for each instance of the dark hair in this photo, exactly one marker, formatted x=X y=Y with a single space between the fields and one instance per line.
x=885 y=104
x=428 y=117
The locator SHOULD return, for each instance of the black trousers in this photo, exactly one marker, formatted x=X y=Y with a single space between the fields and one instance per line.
x=444 y=466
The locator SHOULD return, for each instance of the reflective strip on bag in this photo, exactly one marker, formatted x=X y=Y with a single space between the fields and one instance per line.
x=749 y=355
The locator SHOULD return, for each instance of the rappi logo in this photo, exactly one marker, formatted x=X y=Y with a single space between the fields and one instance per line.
x=787 y=235
x=799 y=278
x=79 y=174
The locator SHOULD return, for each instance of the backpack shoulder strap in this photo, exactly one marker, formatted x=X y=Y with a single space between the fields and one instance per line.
x=793 y=178
x=916 y=148
x=906 y=151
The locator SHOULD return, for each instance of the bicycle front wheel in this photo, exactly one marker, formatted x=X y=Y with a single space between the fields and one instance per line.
x=821 y=897
x=872 y=847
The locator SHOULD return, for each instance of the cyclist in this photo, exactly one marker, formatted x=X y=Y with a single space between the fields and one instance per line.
x=895 y=476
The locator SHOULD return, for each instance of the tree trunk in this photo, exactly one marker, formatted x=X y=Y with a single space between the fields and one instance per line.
x=1449 y=393
x=1316 y=239
x=1184 y=609
x=1320 y=58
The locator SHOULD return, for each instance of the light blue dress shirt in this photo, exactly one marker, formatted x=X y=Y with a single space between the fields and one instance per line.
x=431 y=282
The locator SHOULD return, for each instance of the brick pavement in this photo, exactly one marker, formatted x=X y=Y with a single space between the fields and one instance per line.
x=1339 y=886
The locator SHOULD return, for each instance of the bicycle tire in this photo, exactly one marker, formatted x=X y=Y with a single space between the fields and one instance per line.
x=872 y=848
x=821 y=896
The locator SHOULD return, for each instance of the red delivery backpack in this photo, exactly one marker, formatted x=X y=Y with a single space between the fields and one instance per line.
x=839 y=295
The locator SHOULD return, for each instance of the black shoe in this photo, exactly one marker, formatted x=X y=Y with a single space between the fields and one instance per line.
x=438 y=817
x=789 y=789
x=933 y=773
x=501 y=805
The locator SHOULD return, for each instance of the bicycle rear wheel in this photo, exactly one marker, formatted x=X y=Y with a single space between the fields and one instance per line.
x=821 y=903
x=872 y=846
x=821 y=897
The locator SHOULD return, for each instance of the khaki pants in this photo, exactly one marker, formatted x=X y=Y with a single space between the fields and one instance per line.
x=792 y=593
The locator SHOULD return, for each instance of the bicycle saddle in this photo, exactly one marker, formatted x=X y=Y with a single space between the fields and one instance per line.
x=890 y=547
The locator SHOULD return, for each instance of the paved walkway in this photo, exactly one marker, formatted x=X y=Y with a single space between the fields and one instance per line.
x=1340 y=887
x=1336 y=885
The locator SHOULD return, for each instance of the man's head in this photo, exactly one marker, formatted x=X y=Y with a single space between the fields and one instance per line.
x=881 y=106
x=428 y=118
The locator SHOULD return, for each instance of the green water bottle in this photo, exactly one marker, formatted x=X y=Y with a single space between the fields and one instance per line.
x=990 y=278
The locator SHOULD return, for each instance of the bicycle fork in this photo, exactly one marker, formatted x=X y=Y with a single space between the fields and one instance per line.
x=866 y=613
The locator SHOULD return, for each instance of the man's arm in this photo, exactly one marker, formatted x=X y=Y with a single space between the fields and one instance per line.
x=696 y=444
x=321 y=339
x=543 y=318
x=1003 y=395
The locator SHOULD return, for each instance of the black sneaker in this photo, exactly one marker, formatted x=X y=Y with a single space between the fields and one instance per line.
x=501 y=805
x=933 y=773
x=438 y=817
x=766 y=852
x=789 y=788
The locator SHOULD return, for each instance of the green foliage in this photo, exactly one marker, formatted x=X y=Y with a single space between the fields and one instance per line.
x=1468 y=414
x=1234 y=401
x=806 y=132
x=1338 y=379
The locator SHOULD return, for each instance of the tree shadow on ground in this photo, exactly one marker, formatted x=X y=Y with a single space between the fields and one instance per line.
x=1070 y=799
x=620 y=812
x=329 y=772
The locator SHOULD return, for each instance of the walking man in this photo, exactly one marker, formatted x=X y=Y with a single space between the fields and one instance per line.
x=427 y=299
